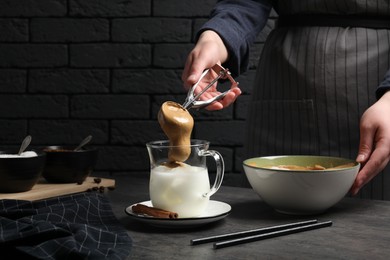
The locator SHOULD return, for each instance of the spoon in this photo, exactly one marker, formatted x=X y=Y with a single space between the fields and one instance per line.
x=26 y=142
x=84 y=142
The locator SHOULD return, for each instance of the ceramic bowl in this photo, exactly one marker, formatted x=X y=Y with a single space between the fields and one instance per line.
x=20 y=173
x=300 y=191
x=63 y=165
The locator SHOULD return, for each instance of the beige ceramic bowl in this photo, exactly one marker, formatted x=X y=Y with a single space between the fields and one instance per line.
x=300 y=191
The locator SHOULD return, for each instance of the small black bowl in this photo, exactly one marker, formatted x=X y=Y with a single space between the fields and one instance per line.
x=63 y=165
x=19 y=174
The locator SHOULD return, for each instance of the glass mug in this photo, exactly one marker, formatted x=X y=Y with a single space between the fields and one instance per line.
x=184 y=189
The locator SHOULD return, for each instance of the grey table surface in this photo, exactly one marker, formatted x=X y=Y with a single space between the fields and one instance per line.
x=360 y=230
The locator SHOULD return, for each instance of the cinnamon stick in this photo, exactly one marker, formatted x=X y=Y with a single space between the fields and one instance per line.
x=154 y=212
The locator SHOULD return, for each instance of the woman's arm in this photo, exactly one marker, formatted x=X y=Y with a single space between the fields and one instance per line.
x=238 y=22
x=226 y=39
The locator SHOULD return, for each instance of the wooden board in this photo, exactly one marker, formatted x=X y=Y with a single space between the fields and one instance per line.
x=44 y=190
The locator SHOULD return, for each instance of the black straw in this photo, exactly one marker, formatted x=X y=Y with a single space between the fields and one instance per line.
x=250 y=232
x=271 y=234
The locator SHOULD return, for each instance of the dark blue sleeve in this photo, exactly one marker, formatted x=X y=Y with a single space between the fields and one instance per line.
x=384 y=86
x=238 y=22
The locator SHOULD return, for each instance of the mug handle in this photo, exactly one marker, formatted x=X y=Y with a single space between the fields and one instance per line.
x=220 y=170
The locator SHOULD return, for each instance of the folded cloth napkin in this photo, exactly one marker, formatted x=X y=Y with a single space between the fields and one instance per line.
x=80 y=226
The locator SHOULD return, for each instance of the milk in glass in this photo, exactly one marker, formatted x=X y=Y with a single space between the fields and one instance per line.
x=180 y=189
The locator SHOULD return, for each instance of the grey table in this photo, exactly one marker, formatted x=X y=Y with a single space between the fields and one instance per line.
x=360 y=230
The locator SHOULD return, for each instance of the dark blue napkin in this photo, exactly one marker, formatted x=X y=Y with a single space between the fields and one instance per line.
x=80 y=226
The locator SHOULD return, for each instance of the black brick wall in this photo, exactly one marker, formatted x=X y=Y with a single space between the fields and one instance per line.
x=70 y=68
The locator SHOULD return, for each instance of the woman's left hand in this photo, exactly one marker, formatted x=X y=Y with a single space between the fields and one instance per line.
x=374 y=147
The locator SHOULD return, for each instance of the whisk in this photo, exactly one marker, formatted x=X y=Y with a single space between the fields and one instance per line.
x=192 y=101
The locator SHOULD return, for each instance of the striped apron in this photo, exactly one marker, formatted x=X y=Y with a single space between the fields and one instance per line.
x=314 y=82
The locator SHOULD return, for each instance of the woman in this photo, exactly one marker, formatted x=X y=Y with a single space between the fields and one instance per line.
x=323 y=75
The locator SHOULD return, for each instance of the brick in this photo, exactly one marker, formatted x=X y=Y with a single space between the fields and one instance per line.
x=151 y=30
x=69 y=30
x=32 y=8
x=197 y=24
x=158 y=100
x=147 y=81
x=70 y=68
x=12 y=131
x=112 y=8
x=135 y=132
x=119 y=158
x=12 y=81
x=22 y=106
x=181 y=8
x=171 y=55
x=69 y=81
x=223 y=133
x=110 y=106
x=13 y=30
x=33 y=55
x=45 y=132
x=110 y=55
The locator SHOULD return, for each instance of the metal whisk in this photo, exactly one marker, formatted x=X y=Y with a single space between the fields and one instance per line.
x=192 y=99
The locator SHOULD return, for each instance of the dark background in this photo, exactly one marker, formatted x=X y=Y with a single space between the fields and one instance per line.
x=71 y=68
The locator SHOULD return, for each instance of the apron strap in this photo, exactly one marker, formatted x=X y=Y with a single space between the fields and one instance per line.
x=375 y=22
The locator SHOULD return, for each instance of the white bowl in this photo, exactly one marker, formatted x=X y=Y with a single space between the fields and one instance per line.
x=300 y=192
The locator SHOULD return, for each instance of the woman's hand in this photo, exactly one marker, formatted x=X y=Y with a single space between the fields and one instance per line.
x=374 y=147
x=209 y=50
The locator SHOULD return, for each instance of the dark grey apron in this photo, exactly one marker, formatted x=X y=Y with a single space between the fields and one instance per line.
x=314 y=83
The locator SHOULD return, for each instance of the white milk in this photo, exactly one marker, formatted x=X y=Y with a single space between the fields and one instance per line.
x=180 y=189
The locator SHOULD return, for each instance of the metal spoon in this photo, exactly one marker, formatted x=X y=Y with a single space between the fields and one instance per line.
x=84 y=142
x=26 y=142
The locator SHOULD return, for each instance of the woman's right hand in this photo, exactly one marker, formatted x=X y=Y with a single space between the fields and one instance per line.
x=208 y=51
